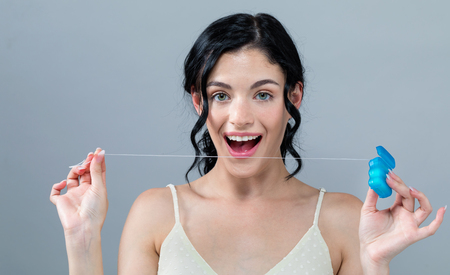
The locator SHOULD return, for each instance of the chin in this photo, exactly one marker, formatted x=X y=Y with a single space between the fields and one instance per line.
x=240 y=170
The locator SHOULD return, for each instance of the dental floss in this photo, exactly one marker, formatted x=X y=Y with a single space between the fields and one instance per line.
x=379 y=167
x=193 y=156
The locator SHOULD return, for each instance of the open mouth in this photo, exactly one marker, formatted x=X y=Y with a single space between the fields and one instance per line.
x=242 y=145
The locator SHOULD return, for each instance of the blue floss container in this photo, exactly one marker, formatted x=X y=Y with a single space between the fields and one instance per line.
x=378 y=169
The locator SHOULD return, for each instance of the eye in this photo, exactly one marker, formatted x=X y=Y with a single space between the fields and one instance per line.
x=220 y=97
x=263 y=96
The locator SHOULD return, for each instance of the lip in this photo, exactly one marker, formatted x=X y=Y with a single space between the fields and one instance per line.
x=247 y=154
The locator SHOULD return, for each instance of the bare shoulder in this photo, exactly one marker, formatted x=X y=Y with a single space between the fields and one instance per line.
x=153 y=211
x=339 y=219
x=149 y=221
x=339 y=224
x=340 y=209
x=156 y=205
x=156 y=202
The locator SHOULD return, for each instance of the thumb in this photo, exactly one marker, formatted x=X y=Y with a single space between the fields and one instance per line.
x=370 y=204
x=98 y=168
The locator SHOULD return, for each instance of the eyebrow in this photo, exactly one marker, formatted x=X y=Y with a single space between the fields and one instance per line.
x=219 y=84
x=263 y=82
x=255 y=85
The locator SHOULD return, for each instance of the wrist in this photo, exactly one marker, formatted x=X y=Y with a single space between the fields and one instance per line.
x=82 y=232
x=81 y=238
x=372 y=266
x=84 y=251
x=376 y=270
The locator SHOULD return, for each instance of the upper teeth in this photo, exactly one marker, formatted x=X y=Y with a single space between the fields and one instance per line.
x=241 y=138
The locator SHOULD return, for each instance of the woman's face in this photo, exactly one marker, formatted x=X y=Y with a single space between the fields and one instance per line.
x=247 y=116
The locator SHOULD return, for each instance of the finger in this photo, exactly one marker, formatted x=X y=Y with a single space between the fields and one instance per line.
x=104 y=169
x=425 y=208
x=73 y=179
x=87 y=161
x=433 y=226
x=370 y=204
x=85 y=178
x=396 y=183
x=398 y=200
x=73 y=176
x=56 y=191
x=98 y=168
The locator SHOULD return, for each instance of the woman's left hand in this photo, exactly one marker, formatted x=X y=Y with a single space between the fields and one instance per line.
x=385 y=233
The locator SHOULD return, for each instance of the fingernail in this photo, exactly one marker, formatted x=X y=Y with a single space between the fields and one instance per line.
x=412 y=189
x=387 y=176
x=99 y=155
x=445 y=207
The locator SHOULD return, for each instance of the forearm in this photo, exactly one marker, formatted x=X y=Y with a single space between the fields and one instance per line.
x=84 y=252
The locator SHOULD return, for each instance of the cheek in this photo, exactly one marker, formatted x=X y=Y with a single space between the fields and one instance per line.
x=274 y=117
x=215 y=118
x=275 y=124
x=214 y=123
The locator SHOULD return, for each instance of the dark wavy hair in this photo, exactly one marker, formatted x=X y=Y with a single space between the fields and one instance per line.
x=230 y=34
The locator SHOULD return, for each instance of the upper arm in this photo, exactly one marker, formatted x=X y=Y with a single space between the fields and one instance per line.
x=146 y=226
x=344 y=214
x=351 y=261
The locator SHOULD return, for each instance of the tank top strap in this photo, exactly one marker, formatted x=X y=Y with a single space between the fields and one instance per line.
x=319 y=205
x=175 y=202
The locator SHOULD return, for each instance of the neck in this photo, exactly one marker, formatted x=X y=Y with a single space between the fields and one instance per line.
x=227 y=182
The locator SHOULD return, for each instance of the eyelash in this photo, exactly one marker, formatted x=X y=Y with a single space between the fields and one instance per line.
x=269 y=96
x=215 y=96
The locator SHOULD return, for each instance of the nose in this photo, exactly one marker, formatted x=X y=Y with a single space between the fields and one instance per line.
x=241 y=114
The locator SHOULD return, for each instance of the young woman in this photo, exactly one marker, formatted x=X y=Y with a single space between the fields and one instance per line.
x=247 y=214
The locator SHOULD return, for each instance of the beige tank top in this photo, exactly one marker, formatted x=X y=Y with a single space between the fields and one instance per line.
x=309 y=257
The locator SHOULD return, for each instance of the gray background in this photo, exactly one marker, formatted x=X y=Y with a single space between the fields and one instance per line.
x=75 y=75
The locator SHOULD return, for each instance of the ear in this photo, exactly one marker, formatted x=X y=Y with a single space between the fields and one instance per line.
x=197 y=100
x=296 y=95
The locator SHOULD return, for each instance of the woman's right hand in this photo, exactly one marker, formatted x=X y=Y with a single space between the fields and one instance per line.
x=84 y=205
